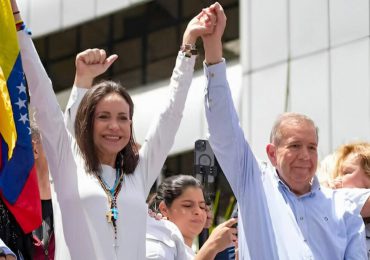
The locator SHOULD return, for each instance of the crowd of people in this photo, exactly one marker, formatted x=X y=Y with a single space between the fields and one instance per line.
x=101 y=177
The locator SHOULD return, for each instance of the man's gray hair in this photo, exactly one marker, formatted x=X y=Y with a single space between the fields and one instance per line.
x=276 y=134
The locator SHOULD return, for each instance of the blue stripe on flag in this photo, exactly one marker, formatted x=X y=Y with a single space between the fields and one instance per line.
x=15 y=172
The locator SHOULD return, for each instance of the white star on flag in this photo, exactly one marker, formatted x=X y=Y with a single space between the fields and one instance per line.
x=21 y=103
x=21 y=88
x=23 y=118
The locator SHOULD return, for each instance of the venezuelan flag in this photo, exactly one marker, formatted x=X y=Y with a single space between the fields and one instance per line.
x=18 y=179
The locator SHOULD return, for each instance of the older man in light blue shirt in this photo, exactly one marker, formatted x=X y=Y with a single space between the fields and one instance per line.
x=283 y=211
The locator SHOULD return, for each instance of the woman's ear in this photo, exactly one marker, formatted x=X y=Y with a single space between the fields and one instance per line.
x=163 y=209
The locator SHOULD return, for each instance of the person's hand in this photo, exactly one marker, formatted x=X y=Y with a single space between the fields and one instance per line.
x=200 y=25
x=212 y=42
x=90 y=64
x=221 y=238
x=220 y=22
x=224 y=235
x=337 y=183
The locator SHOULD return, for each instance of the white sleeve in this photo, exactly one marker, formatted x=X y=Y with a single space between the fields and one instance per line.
x=55 y=138
x=72 y=106
x=161 y=135
x=357 y=197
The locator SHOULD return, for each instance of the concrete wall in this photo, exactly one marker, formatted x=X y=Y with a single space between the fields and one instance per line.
x=319 y=52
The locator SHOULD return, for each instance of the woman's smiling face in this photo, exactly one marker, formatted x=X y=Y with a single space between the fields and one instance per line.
x=112 y=127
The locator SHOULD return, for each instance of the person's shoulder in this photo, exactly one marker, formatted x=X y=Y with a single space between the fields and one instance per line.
x=156 y=250
x=163 y=240
x=164 y=231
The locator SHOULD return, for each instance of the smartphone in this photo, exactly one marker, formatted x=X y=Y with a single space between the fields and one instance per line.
x=204 y=162
x=235 y=215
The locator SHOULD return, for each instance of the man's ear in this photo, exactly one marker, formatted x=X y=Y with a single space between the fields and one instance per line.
x=163 y=209
x=271 y=153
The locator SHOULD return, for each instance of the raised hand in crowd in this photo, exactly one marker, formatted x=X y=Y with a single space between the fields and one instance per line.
x=212 y=42
x=201 y=25
x=90 y=64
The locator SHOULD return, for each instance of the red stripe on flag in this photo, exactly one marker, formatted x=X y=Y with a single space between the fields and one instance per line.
x=27 y=211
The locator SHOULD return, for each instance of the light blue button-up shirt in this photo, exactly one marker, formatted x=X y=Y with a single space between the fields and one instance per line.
x=273 y=222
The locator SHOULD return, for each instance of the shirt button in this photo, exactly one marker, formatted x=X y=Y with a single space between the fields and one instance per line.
x=212 y=74
x=301 y=218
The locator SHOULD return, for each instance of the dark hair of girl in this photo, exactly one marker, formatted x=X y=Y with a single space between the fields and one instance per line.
x=172 y=188
x=127 y=158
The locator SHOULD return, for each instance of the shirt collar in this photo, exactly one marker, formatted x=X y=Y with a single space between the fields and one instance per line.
x=315 y=185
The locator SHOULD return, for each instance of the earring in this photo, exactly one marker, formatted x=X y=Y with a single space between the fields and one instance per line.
x=158 y=216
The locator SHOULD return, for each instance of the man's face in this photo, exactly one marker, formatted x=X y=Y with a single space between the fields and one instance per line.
x=295 y=156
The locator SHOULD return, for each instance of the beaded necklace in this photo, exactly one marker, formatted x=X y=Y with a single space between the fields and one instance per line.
x=112 y=214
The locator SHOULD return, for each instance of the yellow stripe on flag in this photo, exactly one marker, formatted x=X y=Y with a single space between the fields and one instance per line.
x=8 y=41
x=7 y=125
x=9 y=51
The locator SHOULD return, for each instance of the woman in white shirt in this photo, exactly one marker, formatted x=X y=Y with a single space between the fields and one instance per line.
x=100 y=179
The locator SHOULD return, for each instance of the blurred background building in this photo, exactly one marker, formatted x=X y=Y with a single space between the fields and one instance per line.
x=308 y=56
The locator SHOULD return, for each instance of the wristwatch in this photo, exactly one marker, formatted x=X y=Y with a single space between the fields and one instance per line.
x=189 y=49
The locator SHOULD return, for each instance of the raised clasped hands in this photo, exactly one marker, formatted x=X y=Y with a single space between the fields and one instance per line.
x=212 y=41
x=202 y=24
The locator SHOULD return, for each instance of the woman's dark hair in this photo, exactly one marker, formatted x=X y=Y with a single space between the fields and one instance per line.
x=128 y=157
x=172 y=188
